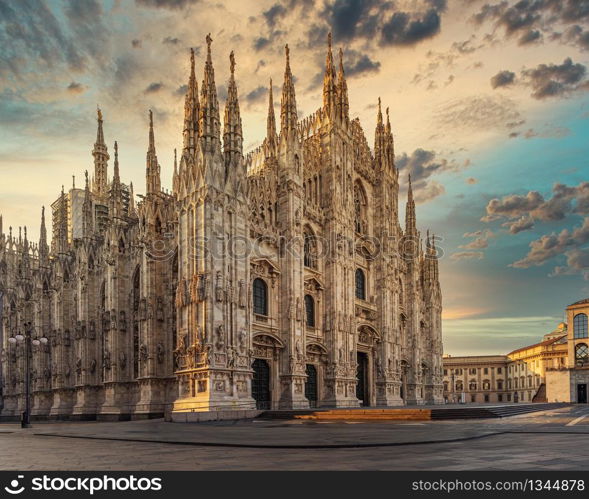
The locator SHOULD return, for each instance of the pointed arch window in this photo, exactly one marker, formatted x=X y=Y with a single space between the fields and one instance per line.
x=580 y=326
x=309 y=311
x=310 y=249
x=260 y=295
x=360 y=284
x=360 y=208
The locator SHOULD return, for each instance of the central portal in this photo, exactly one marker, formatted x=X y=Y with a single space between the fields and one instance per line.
x=311 y=385
x=261 y=384
x=362 y=378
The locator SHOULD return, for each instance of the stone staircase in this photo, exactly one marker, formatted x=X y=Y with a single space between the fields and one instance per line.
x=540 y=394
x=408 y=414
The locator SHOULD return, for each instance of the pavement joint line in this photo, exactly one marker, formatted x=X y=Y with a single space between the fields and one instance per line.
x=576 y=420
x=279 y=446
x=316 y=446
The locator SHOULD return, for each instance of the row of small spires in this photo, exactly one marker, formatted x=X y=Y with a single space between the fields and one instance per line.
x=335 y=104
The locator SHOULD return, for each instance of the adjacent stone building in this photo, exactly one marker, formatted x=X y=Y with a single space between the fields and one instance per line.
x=519 y=376
x=568 y=382
x=278 y=279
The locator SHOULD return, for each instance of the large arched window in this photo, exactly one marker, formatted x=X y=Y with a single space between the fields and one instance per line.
x=310 y=248
x=260 y=292
x=580 y=326
x=309 y=311
x=360 y=284
x=582 y=353
x=360 y=218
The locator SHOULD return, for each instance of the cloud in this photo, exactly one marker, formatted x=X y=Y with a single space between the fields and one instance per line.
x=502 y=79
x=532 y=36
x=168 y=40
x=554 y=80
x=154 y=87
x=467 y=255
x=480 y=239
x=421 y=165
x=166 y=4
x=258 y=94
x=136 y=43
x=260 y=43
x=31 y=32
x=522 y=224
x=547 y=247
x=479 y=111
x=564 y=200
x=274 y=13
x=471 y=180
x=356 y=63
x=405 y=29
x=75 y=88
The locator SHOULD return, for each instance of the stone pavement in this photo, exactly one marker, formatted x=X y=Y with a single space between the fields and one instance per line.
x=530 y=442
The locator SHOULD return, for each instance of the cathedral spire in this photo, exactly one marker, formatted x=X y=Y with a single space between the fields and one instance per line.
x=288 y=104
x=232 y=132
x=101 y=157
x=116 y=200
x=379 y=137
x=209 y=122
x=329 y=88
x=410 y=221
x=175 y=177
x=342 y=89
x=43 y=247
x=191 y=106
x=116 y=174
x=87 y=222
x=62 y=231
x=153 y=182
x=271 y=138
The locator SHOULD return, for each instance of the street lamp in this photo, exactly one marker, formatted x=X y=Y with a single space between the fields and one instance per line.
x=28 y=339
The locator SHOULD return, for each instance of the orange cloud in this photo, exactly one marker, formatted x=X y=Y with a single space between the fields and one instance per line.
x=461 y=313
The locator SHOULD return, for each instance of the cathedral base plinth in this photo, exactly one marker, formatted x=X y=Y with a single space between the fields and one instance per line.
x=85 y=402
x=117 y=402
x=292 y=394
x=340 y=392
x=414 y=395
x=211 y=390
x=154 y=393
x=388 y=394
x=63 y=403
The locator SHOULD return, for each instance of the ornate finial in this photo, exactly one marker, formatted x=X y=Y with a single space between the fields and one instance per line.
x=99 y=113
x=232 y=62
x=341 y=57
x=73 y=181
x=387 y=113
x=379 y=110
x=150 y=118
x=209 y=41
x=86 y=175
x=191 y=56
x=287 y=50
x=116 y=149
x=329 y=40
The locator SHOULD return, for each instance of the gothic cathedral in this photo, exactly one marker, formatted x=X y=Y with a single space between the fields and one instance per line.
x=281 y=279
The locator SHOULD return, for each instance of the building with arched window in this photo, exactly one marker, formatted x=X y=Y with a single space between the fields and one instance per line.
x=570 y=383
x=256 y=282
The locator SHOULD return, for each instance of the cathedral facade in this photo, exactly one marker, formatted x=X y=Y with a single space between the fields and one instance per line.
x=279 y=279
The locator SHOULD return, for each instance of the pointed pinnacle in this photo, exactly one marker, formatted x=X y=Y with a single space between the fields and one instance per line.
x=232 y=63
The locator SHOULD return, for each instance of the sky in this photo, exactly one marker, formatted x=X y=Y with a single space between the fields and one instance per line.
x=488 y=103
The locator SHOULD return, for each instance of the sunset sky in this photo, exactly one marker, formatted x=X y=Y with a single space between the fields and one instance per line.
x=488 y=102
